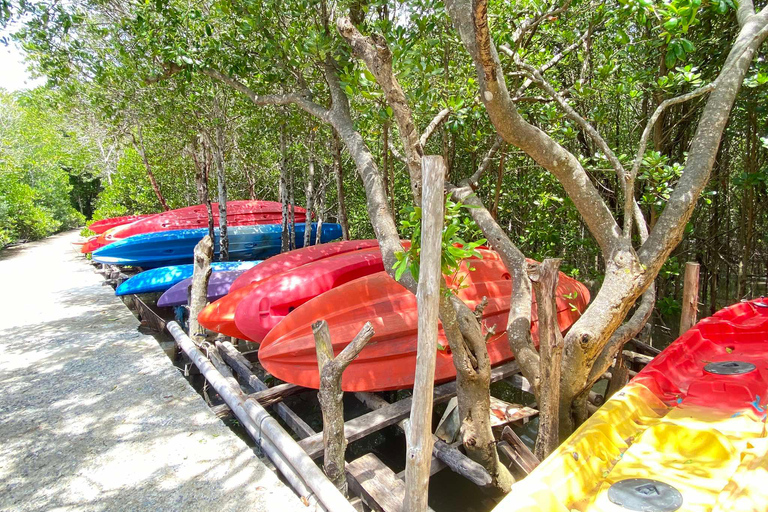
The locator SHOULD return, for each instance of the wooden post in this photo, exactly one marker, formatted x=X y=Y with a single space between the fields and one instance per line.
x=198 y=295
x=330 y=396
x=690 y=297
x=419 y=435
x=544 y=277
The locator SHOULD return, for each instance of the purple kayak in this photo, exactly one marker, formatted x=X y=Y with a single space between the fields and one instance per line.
x=218 y=286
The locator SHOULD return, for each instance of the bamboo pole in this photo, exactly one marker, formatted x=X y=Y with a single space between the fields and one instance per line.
x=419 y=435
x=690 y=297
x=331 y=397
x=279 y=446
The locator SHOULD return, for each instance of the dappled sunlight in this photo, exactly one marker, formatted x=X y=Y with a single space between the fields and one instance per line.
x=95 y=417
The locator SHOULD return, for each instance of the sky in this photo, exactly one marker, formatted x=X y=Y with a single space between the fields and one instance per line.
x=13 y=71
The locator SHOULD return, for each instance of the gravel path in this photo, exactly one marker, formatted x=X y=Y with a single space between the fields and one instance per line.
x=93 y=416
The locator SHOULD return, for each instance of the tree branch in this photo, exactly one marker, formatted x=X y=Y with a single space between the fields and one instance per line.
x=551 y=63
x=471 y=23
x=473 y=180
x=623 y=334
x=302 y=99
x=437 y=121
x=374 y=52
x=745 y=11
x=531 y=23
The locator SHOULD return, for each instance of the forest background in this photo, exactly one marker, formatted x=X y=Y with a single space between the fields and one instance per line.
x=105 y=137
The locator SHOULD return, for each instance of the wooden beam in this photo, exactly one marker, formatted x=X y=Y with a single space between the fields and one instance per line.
x=376 y=420
x=380 y=488
x=443 y=454
x=519 y=453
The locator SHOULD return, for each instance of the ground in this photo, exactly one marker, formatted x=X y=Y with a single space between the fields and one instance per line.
x=93 y=415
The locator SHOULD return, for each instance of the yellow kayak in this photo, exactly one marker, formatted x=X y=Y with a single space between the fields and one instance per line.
x=687 y=433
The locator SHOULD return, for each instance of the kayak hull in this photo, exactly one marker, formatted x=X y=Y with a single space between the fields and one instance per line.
x=219 y=316
x=100 y=226
x=161 y=279
x=218 y=286
x=293 y=259
x=177 y=247
x=239 y=213
x=388 y=361
x=681 y=421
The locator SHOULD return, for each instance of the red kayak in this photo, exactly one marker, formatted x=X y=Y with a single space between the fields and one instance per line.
x=100 y=226
x=292 y=259
x=388 y=361
x=219 y=316
x=272 y=299
x=239 y=213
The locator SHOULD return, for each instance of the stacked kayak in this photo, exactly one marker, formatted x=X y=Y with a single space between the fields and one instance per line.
x=218 y=286
x=388 y=361
x=687 y=433
x=162 y=278
x=220 y=315
x=239 y=213
x=100 y=226
x=177 y=246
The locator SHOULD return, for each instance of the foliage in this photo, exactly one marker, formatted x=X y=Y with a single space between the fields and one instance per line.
x=40 y=157
x=458 y=226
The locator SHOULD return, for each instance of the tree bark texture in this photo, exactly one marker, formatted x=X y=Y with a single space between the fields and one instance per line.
x=221 y=181
x=419 y=447
x=310 y=188
x=338 y=172
x=198 y=295
x=285 y=237
x=331 y=397
x=544 y=277
x=690 y=297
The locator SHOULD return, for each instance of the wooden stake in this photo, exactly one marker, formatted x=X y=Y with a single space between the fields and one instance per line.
x=544 y=277
x=330 y=396
x=198 y=295
x=690 y=297
x=419 y=437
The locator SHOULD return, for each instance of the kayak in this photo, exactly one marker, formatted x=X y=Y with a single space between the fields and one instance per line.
x=219 y=316
x=388 y=361
x=100 y=226
x=687 y=433
x=177 y=247
x=272 y=299
x=239 y=213
x=297 y=257
x=218 y=286
x=162 y=278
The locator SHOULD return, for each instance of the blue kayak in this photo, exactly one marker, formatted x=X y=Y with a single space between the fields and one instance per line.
x=177 y=247
x=162 y=278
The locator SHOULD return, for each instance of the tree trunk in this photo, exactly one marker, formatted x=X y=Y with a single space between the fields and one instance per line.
x=139 y=145
x=201 y=181
x=310 y=190
x=419 y=449
x=285 y=234
x=338 y=172
x=320 y=207
x=221 y=180
x=499 y=178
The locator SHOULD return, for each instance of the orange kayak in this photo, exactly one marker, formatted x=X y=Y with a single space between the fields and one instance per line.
x=388 y=361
